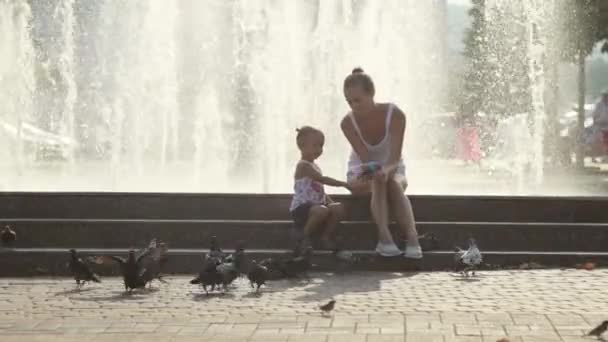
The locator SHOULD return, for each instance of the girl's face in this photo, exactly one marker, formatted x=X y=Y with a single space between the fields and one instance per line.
x=313 y=148
x=358 y=99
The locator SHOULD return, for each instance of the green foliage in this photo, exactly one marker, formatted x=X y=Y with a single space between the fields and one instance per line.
x=603 y=25
x=581 y=27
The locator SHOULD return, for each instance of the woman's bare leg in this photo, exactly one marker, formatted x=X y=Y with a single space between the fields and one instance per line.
x=379 y=208
x=401 y=207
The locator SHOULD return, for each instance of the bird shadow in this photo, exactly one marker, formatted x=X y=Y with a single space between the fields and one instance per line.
x=253 y=294
x=202 y=296
x=470 y=279
x=121 y=296
x=73 y=291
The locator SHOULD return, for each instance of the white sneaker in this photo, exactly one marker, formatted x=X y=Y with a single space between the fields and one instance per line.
x=387 y=249
x=413 y=252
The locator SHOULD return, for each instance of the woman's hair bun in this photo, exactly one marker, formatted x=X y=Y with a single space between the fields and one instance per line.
x=358 y=70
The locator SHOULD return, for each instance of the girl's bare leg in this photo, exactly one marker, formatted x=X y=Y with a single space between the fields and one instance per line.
x=336 y=212
x=316 y=216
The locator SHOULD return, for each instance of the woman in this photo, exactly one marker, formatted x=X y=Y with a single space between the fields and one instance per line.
x=375 y=132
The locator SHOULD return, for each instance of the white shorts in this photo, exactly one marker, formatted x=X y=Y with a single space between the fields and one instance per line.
x=353 y=173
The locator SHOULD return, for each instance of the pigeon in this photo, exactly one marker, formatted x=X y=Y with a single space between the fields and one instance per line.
x=599 y=330
x=257 y=275
x=153 y=261
x=231 y=268
x=214 y=249
x=327 y=308
x=8 y=236
x=297 y=265
x=470 y=259
x=80 y=270
x=209 y=275
x=428 y=242
x=131 y=269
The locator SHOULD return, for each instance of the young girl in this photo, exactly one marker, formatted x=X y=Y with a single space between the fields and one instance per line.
x=313 y=210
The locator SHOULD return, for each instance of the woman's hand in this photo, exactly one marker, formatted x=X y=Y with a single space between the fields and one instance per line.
x=381 y=175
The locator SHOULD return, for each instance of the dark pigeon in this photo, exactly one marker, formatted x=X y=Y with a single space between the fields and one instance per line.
x=80 y=270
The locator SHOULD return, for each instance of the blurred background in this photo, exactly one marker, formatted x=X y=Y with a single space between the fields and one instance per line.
x=503 y=97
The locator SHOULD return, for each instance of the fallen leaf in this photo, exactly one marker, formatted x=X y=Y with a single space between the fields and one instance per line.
x=589 y=266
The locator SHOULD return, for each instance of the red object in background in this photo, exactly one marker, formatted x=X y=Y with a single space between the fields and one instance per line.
x=469 y=147
x=605 y=140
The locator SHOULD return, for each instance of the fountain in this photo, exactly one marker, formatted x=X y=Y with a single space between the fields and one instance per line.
x=525 y=24
x=17 y=84
x=204 y=96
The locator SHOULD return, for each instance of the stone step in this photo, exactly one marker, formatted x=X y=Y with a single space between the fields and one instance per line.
x=114 y=205
x=67 y=233
x=52 y=261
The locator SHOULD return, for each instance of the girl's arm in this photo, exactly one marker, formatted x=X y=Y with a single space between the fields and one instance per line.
x=306 y=170
x=397 y=131
x=354 y=139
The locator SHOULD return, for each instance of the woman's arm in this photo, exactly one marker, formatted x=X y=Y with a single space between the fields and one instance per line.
x=397 y=131
x=354 y=139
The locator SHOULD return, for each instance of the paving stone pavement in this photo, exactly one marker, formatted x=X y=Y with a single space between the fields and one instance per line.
x=542 y=305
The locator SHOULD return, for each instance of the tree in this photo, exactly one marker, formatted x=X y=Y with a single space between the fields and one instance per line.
x=497 y=79
x=582 y=27
x=603 y=24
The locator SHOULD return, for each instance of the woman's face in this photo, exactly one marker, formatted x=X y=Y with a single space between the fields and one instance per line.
x=358 y=99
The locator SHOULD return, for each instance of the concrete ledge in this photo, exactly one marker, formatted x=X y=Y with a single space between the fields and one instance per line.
x=112 y=233
x=275 y=207
x=50 y=261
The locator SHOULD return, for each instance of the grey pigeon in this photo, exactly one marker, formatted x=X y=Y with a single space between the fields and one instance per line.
x=153 y=261
x=469 y=259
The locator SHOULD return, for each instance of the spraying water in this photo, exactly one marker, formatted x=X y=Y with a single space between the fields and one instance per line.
x=204 y=96
x=518 y=31
x=64 y=59
x=17 y=85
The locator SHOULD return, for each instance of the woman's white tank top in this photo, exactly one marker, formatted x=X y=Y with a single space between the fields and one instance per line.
x=379 y=152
